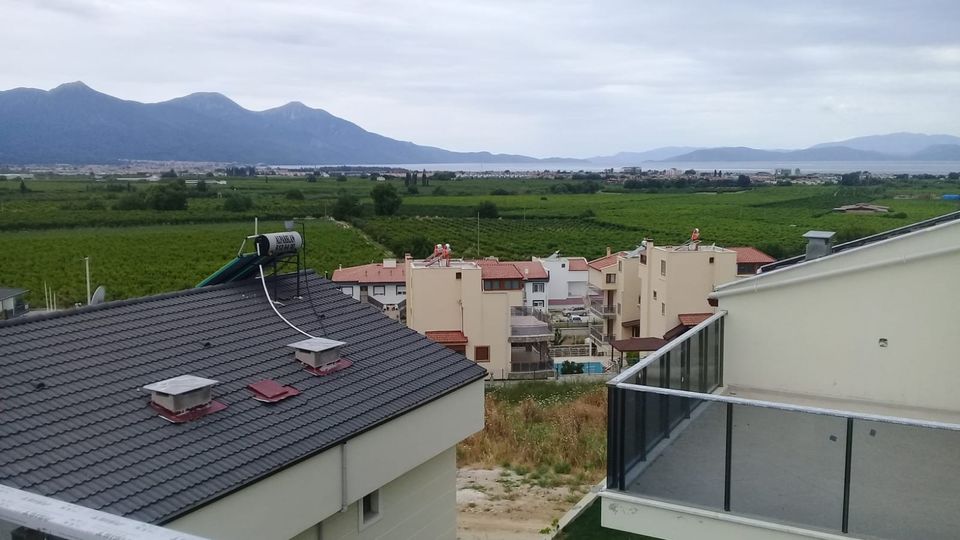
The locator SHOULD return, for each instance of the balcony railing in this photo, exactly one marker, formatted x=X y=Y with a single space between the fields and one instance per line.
x=529 y=325
x=603 y=310
x=671 y=439
x=598 y=336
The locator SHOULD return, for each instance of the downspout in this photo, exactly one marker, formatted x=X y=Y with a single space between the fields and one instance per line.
x=344 y=503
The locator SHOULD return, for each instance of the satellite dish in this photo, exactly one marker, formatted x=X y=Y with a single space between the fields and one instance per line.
x=98 y=296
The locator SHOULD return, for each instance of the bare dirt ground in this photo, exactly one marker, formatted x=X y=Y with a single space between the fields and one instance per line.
x=498 y=504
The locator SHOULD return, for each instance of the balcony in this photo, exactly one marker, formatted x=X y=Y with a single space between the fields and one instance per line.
x=596 y=304
x=529 y=325
x=675 y=442
x=530 y=361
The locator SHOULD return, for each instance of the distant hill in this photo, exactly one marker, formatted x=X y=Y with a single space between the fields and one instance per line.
x=75 y=124
x=824 y=153
x=901 y=144
x=627 y=159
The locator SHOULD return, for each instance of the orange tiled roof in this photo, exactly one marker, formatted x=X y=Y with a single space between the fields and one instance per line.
x=447 y=337
x=693 y=319
x=531 y=270
x=604 y=262
x=751 y=255
x=370 y=273
x=577 y=264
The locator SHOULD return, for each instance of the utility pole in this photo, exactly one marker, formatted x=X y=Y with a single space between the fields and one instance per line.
x=86 y=263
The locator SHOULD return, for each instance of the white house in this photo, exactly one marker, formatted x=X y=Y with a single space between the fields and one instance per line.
x=568 y=280
x=820 y=401
x=381 y=284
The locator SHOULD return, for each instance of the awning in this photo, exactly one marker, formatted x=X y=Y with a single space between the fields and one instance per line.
x=447 y=337
x=638 y=344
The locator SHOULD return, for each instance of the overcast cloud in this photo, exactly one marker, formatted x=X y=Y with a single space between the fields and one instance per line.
x=541 y=78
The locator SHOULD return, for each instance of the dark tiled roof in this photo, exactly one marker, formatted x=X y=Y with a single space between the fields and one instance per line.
x=946 y=218
x=88 y=437
x=6 y=292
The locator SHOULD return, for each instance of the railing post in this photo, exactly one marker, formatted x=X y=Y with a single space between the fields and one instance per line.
x=642 y=421
x=621 y=441
x=846 y=476
x=612 y=434
x=728 y=458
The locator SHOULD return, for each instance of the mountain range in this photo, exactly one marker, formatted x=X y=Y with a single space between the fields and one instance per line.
x=73 y=123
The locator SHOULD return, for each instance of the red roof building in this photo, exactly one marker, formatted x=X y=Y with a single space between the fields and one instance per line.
x=750 y=259
x=370 y=273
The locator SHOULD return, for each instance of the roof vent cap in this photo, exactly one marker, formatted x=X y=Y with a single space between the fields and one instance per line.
x=819 y=244
x=183 y=398
x=318 y=353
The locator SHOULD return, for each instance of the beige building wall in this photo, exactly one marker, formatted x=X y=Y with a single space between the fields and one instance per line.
x=437 y=300
x=421 y=504
x=629 y=290
x=689 y=280
x=292 y=502
x=816 y=328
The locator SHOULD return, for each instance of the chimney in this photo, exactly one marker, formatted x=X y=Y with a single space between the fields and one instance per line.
x=819 y=244
x=318 y=353
x=183 y=398
x=608 y=251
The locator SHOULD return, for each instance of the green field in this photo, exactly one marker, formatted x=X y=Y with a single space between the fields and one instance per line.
x=143 y=260
x=46 y=229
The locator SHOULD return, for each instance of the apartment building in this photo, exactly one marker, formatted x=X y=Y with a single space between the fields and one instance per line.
x=532 y=274
x=651 y=290
x=819 y=401
x=477 y=308
x=568 y=278
x=382 y=285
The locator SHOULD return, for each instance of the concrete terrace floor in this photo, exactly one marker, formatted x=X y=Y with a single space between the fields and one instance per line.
x=789 y=467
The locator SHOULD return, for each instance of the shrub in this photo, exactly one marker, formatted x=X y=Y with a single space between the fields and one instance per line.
x=166 y=196
x=130 y=201
x=346 y=207
x=294 y=195
x=486 y=209
x=386 y=200
x=236 y=202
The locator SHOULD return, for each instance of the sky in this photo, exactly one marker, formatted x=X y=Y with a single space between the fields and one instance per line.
x=541 y=78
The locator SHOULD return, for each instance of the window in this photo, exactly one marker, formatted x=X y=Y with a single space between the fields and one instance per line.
x=638 y=299
x=539 y=287
x=711 y=260
x=663 y=308
x=563 y=265
x=654 y=295
x=611 y=278
x=347 y=290
x=459 y=275
x=379 y=290
x=618 y=308
x=663 y=268
x=620 y=266
x=635 y=331
x=370 y=509
x=401 y=289
x=538 y=303
x=643 y=258
x=481 y=353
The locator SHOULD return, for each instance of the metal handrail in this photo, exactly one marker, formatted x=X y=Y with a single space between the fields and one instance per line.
x=659 y=353
x=790 y=407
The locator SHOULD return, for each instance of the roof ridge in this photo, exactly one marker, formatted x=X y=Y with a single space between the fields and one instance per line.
x=135 y=300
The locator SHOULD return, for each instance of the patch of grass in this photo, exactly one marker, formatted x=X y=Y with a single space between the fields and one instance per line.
x=553 y=434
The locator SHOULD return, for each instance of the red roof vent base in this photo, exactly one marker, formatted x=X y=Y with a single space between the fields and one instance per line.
x=270 y=391
x=332 y=367
x=189 y=414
